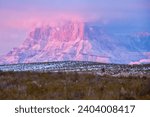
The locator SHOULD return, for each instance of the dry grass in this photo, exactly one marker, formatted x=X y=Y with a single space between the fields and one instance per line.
x=72 y=85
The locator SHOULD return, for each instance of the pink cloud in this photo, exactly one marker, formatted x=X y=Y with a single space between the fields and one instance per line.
x=140 y=61
x=28 y=20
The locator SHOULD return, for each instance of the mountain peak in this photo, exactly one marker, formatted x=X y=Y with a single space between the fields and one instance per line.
x=75 y=40
x=62 y=31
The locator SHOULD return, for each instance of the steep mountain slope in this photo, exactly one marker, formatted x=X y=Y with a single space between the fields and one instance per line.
x=78 y=41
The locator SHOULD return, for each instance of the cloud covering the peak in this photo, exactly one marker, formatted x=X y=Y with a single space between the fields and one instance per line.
x=86 y=10
x=17 y=17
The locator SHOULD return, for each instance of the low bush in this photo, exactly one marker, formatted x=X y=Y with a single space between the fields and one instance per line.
x=71 y=85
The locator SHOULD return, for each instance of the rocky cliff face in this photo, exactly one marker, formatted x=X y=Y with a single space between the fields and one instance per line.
x=78 y=41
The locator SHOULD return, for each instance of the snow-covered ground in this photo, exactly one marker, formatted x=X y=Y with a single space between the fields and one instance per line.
x=80 y=66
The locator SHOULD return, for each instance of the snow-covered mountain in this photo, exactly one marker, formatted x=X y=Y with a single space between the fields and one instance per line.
x=78 y=41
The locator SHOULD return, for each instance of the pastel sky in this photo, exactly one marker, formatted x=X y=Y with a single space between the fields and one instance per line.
x=18 y=17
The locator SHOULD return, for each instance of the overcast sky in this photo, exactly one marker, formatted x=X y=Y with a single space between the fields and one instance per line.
x=17 y=17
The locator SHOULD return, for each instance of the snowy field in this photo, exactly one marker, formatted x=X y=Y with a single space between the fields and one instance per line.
x=81 y=66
